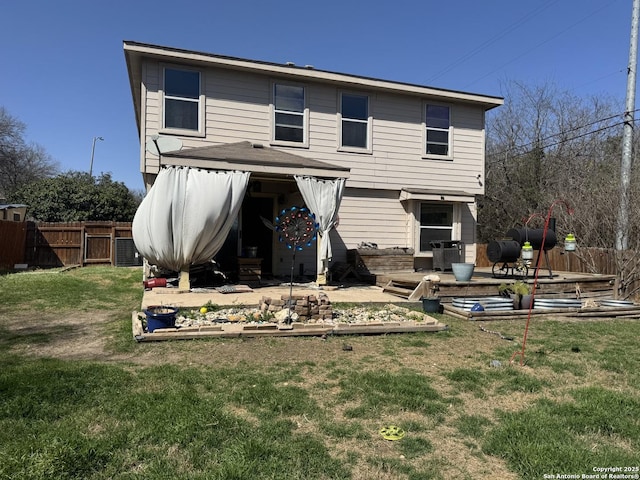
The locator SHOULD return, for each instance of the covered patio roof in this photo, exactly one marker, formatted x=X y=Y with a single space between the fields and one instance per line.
x=254 y=158
x=436 y=195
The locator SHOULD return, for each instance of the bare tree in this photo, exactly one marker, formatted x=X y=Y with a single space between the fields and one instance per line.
x=539 y=147
x=543 y=145
x=20 y=163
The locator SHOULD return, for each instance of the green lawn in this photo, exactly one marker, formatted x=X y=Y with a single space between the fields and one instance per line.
x=301 y=408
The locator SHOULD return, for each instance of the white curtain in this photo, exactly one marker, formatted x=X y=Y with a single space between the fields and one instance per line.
x=186 y=215
x=322 y=198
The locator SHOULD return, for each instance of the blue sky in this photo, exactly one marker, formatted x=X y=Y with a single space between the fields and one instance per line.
x=63 y=71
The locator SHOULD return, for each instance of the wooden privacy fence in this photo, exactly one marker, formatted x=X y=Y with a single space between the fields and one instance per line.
x=61 y=244
x=12 y=242
x=110 y=243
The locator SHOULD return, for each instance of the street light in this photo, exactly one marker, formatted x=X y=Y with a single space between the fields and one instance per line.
x=93 y=149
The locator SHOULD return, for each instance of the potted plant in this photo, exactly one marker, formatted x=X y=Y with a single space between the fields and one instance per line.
x=160 y=316
x=519 y=291
x=430 y=298
x=431 y=304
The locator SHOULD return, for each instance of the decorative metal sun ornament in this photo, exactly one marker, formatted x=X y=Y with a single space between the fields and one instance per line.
x=297 y=227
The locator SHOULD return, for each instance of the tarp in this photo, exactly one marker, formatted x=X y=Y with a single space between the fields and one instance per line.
x=322 y=198
x=186 y=215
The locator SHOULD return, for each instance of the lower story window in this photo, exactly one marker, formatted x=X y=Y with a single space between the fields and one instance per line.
x=436 y=224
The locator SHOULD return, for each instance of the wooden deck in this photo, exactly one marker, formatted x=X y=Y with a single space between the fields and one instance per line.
x=560 y=285
x=483 y=284
x=403 y=283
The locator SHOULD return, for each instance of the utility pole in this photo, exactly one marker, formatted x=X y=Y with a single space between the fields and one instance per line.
x=622 y=235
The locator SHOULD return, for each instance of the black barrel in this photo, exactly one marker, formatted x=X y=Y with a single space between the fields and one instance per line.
x=503 y=251
x=534 y=237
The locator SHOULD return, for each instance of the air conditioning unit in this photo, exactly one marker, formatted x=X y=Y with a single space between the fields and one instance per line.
x=126 y=253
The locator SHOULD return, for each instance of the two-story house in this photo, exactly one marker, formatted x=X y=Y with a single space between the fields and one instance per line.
x=406 y=161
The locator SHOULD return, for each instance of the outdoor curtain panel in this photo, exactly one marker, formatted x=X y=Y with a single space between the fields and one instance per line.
x=322 y=198
x=187 y=215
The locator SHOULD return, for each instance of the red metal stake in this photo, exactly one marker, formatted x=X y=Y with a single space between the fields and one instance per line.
x=535 y=278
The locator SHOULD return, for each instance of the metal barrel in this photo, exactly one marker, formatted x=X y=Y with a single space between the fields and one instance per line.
x=503 y=251
x=534 y=237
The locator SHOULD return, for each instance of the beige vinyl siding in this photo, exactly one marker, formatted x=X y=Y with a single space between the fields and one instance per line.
x=229 y=122
x=323 y=127
x=397 y=129
x=150 y=115
x=468 y=219
x=237 y=109
x=369 y=216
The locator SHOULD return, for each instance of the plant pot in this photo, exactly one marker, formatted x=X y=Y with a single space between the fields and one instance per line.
x=462 y=271
x=431 y=305
x=160 y=316
x=521 y=302
x=526 y=301
x=251 y=252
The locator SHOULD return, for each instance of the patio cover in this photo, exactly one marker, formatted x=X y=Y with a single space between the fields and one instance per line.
x=254 y=158
x=189 y=210
x=436 y=195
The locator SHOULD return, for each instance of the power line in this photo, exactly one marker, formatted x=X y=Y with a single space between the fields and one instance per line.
x=596 y=80
x=491 y=41
x=504 y=152
x=540 y=44
x=564 y=132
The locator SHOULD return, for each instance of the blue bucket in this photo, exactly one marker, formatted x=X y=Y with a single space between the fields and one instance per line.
x=160 y=317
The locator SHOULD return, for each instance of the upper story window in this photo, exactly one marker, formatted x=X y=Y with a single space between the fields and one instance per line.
x=290 y=114
x=182 y=100
x=438 y=125
x=355 y=121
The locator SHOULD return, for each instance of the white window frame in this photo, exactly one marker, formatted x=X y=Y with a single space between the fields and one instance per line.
x=200 y=132
x=456 y=226
x=304 y=114
x=426 y=129
x=349 y=148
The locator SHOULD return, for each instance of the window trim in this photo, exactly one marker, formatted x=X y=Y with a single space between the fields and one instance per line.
x=425 y=129
x=369 y=121
x=200 y=132
x=456 y=226
x=305 y=116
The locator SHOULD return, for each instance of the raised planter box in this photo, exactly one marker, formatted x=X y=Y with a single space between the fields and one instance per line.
x=372 y=261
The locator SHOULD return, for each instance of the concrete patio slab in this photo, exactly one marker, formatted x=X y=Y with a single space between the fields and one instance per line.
x=199 y=297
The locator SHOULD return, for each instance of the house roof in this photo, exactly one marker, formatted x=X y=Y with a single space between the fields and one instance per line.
x=135 y=52
x=6 y=206
x=252 y=157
